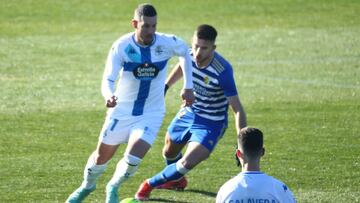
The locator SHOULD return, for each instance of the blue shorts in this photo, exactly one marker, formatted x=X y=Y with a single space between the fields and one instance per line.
x=188 y=127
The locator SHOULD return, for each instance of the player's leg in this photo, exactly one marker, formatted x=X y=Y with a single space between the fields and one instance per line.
x=126 y=168
x=94 y=168
x=129 y=164
x=177 y=136
x=172 y=153
x=195 y=153
x=97 y=161
x=204 y=137
x=142 y=136
x=171 y=150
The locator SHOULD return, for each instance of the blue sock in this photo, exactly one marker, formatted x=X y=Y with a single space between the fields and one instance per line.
x=171 y=161
x=168 y=173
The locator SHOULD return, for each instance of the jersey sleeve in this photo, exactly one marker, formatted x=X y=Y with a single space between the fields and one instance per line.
x=181 y=50
x=227 y=82
x=284 y=192
x=178 y=45
x=113 y=65
x=287 y=195
x=219 y=198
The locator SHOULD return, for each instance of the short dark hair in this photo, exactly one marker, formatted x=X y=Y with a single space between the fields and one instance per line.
x=250 y=142
x=206 y=32
x=145 y=9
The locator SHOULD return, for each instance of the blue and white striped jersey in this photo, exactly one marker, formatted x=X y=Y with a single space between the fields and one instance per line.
x=212 y=85
x=141 y=73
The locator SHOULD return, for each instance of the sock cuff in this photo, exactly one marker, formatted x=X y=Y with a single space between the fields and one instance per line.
x=181 y=169
x=132 y=160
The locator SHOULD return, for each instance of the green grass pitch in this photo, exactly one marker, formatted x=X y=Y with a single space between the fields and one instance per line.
x=297 y=67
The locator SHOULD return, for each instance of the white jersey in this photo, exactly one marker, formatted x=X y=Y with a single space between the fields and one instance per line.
x=141 y=73
x=254 y=187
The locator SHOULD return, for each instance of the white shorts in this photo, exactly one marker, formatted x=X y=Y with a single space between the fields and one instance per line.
x=117 y=131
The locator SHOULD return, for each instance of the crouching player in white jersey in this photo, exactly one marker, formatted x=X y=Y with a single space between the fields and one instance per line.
x=203 y=124
x=136 y=107
x=252 y=185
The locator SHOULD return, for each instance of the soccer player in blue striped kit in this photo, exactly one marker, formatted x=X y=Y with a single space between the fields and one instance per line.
x=137 y=61
x=202 y=125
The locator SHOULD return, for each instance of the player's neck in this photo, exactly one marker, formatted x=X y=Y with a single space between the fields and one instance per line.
x=250 y=167
x=206 y=62
x=141 y=43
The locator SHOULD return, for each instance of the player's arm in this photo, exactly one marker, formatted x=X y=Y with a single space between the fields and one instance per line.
x=187 y=93
x=110 y=75
x=182 y=50
x=239 y=113
x=174 y=76
x=228 y=85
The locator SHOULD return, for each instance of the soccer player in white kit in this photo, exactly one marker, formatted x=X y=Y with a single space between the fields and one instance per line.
x=137 y=61
x=252 y=185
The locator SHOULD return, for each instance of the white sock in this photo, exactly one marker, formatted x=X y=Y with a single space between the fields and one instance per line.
x=126 y=168
x=92 y=172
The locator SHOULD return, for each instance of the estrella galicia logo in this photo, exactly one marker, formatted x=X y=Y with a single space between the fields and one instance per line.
x=146 y=71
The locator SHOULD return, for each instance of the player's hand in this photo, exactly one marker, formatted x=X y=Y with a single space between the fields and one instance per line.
x=111 y=102
x=188 y=97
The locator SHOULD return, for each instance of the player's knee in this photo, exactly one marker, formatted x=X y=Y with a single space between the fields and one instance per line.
x=101 y=158
x=168 y=154
x=93 y=166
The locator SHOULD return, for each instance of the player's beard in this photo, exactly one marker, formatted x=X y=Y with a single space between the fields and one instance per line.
x=203 y=60
x=200 y=61
x=147 y=40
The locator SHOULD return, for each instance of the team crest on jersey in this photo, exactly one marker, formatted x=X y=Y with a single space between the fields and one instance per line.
x=159 y=50
x=206 y=80
x=132 y=54
x=146 y=71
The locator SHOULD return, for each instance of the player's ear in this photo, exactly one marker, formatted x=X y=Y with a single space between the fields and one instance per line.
x=238 y=153
x=238 y=163
x=134 y=23
x=263 y=151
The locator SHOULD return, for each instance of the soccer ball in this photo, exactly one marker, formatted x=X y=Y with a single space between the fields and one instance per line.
x=130 y=200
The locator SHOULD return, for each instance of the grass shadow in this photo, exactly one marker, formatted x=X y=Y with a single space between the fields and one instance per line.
x=207 y=193
x=165 y=200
